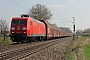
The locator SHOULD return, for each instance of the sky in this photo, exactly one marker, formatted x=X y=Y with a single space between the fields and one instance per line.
x=62 y=10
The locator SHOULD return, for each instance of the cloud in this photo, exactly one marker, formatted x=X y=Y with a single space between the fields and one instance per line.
x=57 y=6
x=72 y=1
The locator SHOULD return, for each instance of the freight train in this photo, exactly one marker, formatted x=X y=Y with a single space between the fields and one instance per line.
x=27 y=29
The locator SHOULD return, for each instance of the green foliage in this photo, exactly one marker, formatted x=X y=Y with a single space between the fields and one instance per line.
x=7 y=41
x=82 y=51
x=87 y=50
x=83 y=37
x=70 y=56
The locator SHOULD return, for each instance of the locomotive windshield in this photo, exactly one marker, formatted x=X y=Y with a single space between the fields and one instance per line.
x=23 y=22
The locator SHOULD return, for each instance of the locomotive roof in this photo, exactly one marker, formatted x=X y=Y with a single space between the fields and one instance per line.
x=37 y=21
x=19 y=17
x=27 y=18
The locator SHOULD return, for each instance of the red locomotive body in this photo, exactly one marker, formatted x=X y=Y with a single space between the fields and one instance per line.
x=26 y=29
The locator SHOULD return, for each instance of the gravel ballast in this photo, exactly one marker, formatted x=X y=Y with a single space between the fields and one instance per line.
x=55 y=52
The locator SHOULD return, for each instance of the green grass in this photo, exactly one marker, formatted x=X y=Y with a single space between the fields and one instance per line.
x=70 y=55
x=87 y=50
x=83 y=37
x=7 y=41
x=85 y=47
x=79 y=45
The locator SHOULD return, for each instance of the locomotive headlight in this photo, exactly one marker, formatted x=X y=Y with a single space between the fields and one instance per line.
x=13 y=28
x=24 y=32
x=24 y=28
x=13 y=32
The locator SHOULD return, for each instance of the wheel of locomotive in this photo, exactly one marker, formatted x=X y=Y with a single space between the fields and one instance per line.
x=23 y=40
x=33 y=39
x=40 y=38
x=37 y=38
x=44 y=38
x=15 y=40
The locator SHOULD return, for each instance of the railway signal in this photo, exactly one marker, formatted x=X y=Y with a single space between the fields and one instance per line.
x=73 y=28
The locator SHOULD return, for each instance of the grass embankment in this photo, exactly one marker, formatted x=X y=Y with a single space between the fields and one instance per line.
x=87 y=50
x=70 y=55
x=7 y=41
x=80 y=49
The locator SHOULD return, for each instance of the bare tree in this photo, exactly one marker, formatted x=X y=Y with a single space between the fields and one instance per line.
x=40 y=12
x=87 y=30
x=3 y=28
x=79 y=32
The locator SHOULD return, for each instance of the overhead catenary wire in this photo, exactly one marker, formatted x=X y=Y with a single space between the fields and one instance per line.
x=62 y=5
x=46 y=2
x=28 y=8
x=25 y=3
x=62 y=15
x=66 y=11
x=58 y=12
x=20 y=4
x=51 y=8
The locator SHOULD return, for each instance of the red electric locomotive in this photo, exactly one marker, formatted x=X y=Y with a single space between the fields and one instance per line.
x=26 y=29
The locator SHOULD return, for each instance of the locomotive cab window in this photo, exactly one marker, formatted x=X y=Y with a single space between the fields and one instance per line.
x=23 y=22
x=15 y=22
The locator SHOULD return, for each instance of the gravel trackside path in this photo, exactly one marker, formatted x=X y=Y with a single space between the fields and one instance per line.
x=55 y=52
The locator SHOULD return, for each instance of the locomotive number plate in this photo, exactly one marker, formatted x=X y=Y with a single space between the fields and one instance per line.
x=18 y=28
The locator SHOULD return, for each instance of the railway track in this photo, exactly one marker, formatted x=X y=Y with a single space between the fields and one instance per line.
x=21 y=53
x=4 y=48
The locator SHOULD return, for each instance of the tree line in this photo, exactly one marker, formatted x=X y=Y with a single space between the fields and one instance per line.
x=84 y=32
